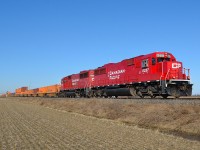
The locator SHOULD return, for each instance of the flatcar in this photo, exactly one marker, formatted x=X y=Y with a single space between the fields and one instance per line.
x=155 y=74
x=46 y=91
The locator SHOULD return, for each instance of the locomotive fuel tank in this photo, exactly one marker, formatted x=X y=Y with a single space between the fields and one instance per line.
x=117 y=91
x=70 y=94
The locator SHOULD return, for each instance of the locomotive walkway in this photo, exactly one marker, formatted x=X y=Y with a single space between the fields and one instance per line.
x=28 y=126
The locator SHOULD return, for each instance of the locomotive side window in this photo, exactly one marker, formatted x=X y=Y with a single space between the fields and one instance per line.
x=84 y=75
x=96 y=72
x=100 y=71
x=64 y=81
x=145 y=63
x=130 y=62
x=103 y=71
x=153 y=61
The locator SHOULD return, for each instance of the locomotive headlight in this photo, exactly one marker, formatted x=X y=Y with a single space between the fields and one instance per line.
x=159 y=55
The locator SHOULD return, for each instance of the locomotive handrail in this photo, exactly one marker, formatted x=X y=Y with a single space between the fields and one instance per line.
x=188 y=73
x=167 y=75
x=161 y=75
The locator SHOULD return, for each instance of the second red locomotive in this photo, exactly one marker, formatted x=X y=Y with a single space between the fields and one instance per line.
x=155 y=74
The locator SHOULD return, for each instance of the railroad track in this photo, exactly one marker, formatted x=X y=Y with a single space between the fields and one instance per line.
x=172 y=98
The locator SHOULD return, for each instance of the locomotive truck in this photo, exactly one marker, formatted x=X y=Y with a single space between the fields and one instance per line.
x=155 y=74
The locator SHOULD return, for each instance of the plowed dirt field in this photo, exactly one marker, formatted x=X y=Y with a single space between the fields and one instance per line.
x=28 y=126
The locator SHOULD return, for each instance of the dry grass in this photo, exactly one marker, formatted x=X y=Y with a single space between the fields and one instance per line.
x=26 y=126
x=165 y=117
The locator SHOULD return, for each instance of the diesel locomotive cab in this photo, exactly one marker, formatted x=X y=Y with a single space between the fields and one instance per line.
x=174 y=80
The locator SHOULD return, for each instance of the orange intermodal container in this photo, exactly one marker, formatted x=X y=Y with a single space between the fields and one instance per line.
x=42 y=90
x=25 y=93
x=20 y=91
x=51 y=90
x=32 y=92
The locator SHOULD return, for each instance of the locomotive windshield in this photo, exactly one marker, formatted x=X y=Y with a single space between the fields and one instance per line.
x=163 y=59
x=159 y=60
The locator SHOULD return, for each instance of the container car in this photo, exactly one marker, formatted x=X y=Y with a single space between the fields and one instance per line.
x=49 y=91
x=20 y=91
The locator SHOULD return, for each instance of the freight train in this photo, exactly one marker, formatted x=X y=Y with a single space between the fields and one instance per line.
x=155 y=74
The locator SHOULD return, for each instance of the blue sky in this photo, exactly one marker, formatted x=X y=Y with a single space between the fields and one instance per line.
x=42 y=41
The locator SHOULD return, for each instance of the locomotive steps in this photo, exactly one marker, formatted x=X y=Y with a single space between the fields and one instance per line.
x=181 y=118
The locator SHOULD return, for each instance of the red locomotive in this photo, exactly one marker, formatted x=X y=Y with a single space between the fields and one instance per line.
x=155 y=74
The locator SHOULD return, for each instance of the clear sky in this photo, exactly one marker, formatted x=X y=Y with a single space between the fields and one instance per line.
x=42 y=41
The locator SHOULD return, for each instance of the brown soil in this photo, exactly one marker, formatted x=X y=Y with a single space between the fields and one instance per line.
x=173 y=118
x=30 y=126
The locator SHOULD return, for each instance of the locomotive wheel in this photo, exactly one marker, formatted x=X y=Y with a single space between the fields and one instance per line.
x=175 y=92
x=140 y=94
x=104 y=95
x=133 y=92
x=153 y=96
x=98 y=93
x=77 y=95
x=95 y=94
x=165 y=96
x=89 y=94
x=149 y=91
